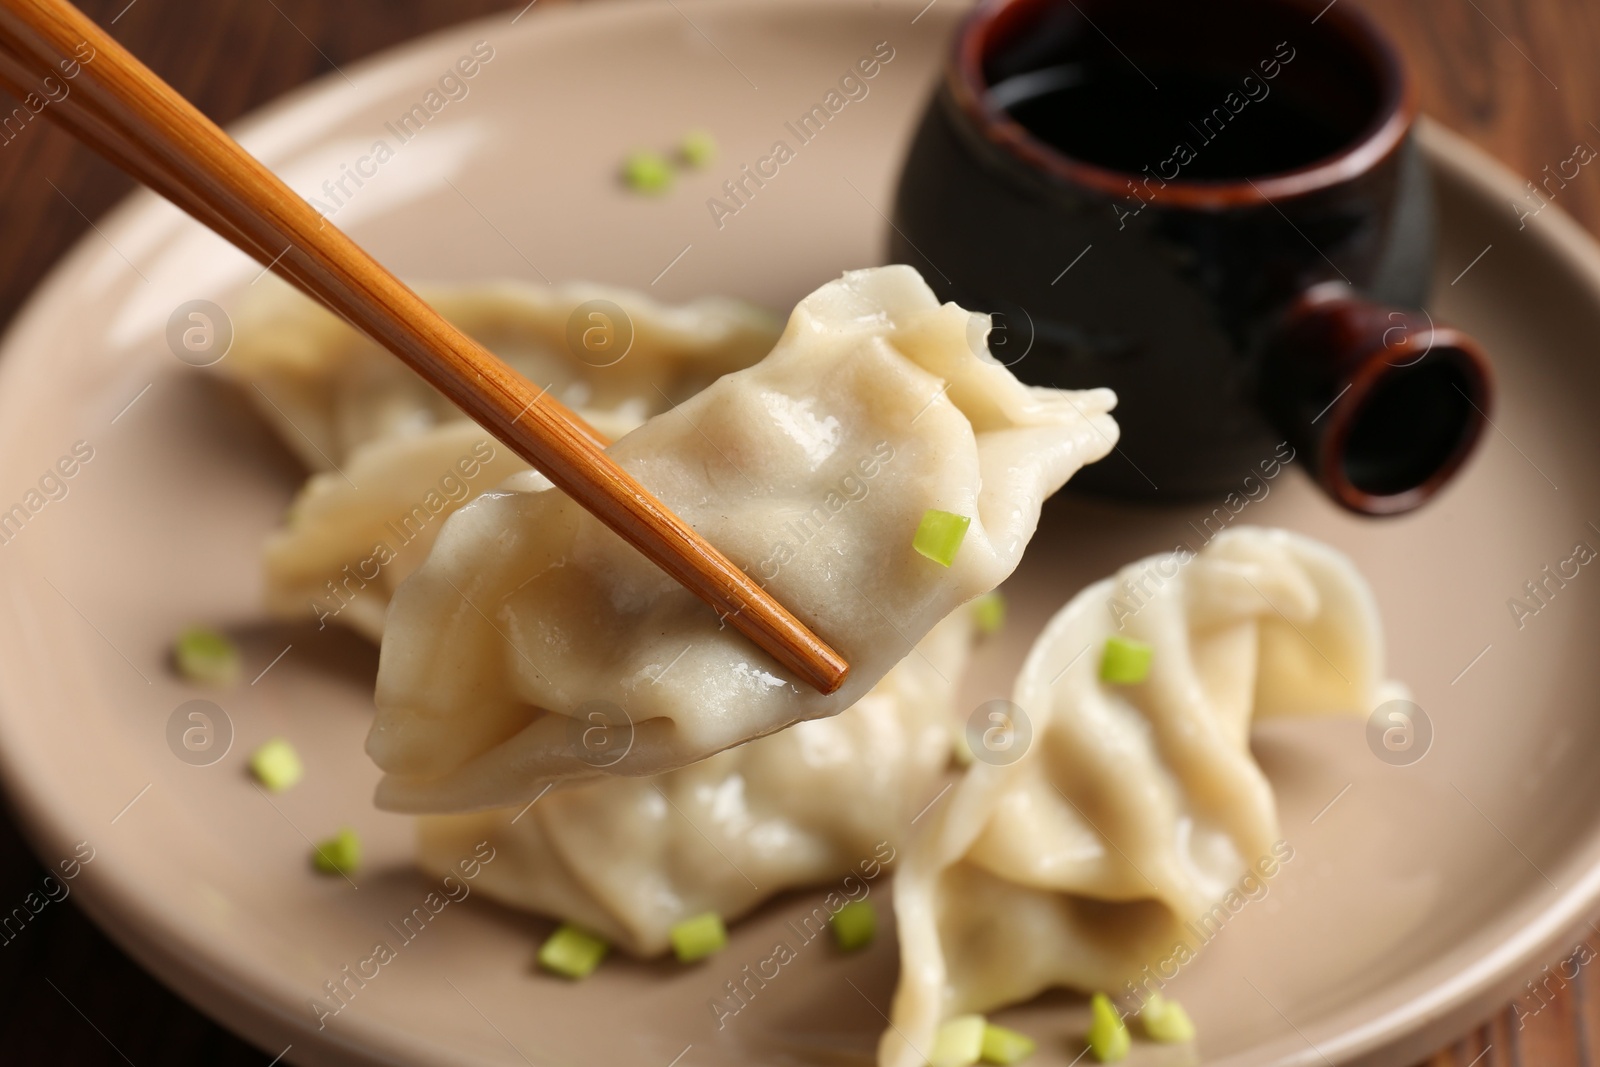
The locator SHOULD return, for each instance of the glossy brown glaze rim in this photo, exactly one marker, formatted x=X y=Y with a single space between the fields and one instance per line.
x=1445 y=342
x=1381 y=137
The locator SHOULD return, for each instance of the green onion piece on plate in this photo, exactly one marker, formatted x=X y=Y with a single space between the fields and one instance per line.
x=206 y=656
x=698 y=148
x=989 y=613
x=647 y=172
x=939 y=535
x=339 y=854
x=1005 y=1047
x=277 y=765
x=961 y=749
x=1166 y=1021
x=699 y=937
x=1109 y=1039
x=1125 y=661
x=958 y=1043
x=854 y=924
x=571 y=952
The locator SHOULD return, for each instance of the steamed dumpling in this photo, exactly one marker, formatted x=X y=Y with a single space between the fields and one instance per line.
x=812 y=470
x=630 y=857
x=328 y=389
x=1135 y=807
x=395 y=459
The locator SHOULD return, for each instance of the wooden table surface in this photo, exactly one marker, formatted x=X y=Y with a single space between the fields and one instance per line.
x=1519 y=77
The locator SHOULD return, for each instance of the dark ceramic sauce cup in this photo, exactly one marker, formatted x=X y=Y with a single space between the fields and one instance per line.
x=1219 y=211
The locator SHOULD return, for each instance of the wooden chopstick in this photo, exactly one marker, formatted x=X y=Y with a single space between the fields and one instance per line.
x=140 y=123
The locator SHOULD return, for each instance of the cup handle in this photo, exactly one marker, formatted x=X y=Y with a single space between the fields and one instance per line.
x=1384 y=403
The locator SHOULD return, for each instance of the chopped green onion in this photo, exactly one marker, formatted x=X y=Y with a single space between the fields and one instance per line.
x=339 y=854
x=277 y=765
x=1166 y=1021
x=571 y=952
x=647 y=172
x=1005 y=1047
x=699 y=937
x=854 y=924
x=961 y=749
x=989 y=613
x=939 y=535
x=698 y=148
x=958 y=1043
x=206 y=656
x=1125 y=661
x=1109 y=1039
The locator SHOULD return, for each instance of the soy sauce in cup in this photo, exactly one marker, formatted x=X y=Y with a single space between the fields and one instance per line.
x=1114 y=118
x=1220 y=212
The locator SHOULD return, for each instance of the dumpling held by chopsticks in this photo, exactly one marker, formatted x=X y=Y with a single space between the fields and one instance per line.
x=875 y=471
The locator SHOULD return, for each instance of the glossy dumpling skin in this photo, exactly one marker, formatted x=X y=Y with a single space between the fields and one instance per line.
x=1135 y=808
x=328 y=390
x=811 y=470
x=627 y=858
x=392 y=459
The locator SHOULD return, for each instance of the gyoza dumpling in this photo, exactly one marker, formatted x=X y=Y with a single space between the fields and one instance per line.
x=1135 y=807
x=812 y=470
x=406 y=458
x=614 y=356
x=628 y=858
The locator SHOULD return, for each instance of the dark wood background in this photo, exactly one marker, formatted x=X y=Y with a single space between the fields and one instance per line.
x=1519 y=77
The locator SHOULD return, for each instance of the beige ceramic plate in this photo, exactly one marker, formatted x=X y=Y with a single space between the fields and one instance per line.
x=1416 y=893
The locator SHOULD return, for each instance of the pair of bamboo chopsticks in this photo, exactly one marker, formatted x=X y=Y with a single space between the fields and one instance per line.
x=135 y=120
